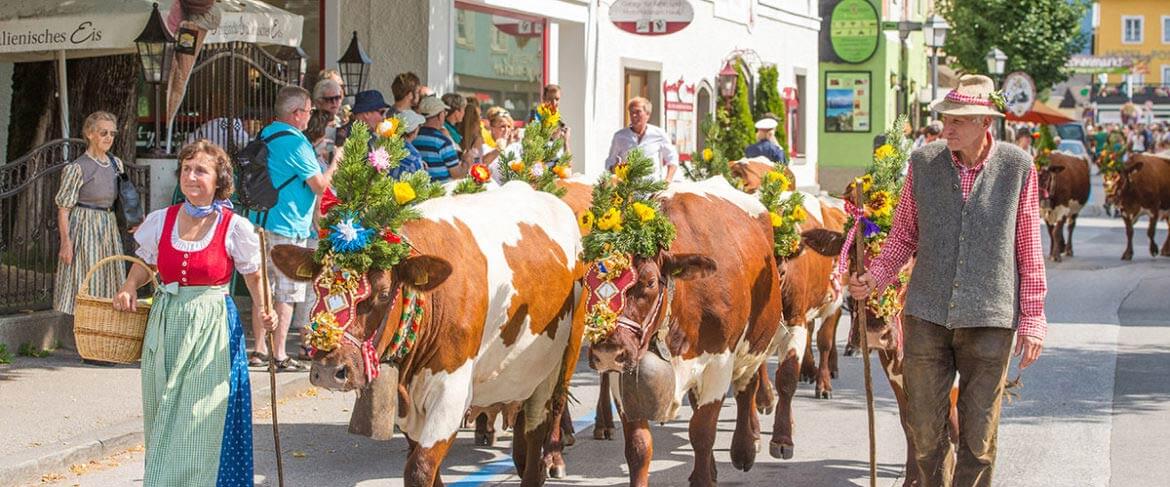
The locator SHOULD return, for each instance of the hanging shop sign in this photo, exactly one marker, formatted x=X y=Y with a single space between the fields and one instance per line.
x=651 y=17
x=854 y=31
x=518 y=27
x=680 y=115
x=1020 y=92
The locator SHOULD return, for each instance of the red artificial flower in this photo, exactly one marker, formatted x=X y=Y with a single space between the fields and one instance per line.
x=328 y=200
x=391 y=238
x=322 y=233
x=1035 y=135
x=480 y=173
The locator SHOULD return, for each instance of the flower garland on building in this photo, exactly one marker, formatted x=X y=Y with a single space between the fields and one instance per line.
x=362 y=216
x=624 y=221
x=542 y=160
x=882 y=186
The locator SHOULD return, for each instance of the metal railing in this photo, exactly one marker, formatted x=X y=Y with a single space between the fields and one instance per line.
x=29 y=235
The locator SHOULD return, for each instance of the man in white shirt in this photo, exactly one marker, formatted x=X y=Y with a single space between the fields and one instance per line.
x=653 y=141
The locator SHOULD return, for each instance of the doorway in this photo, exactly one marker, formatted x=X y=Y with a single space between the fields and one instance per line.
x=643 y=83
x=702 y=111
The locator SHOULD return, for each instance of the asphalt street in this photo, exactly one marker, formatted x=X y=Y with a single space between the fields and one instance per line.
x=1094 y=411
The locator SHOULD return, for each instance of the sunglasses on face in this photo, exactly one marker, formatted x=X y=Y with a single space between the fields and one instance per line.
x=331 y=99
x=107 y=133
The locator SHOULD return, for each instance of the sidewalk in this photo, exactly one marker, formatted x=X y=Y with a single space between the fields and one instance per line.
x=56 y=412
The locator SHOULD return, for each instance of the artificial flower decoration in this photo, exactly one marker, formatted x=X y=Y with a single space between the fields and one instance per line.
x=785 y=212
x=622 y=171
x=390 y=237
x=886 y=150
x=389 y=127
x=542 y=149
x=350 y=236
x=610 y=220
x=708 y=154
x=516 y=165
x=561 y=170
x=645 y=212
x=537 y=170
x=328 y=200
x=777 y=220
x=585 y=221
x=480 y=173
x=549 y=116
x=403 y=193
x=379 y=159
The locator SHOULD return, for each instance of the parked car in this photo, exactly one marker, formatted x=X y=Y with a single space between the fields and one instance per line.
x=1073 y=147
x=1073 y=131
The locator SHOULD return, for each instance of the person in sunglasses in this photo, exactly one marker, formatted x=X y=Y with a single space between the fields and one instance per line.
x=327 y=97
x=88 y=229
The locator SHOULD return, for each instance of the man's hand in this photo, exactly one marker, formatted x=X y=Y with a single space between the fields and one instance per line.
x=1029 y=347
x=66 y=252
x=861 y=286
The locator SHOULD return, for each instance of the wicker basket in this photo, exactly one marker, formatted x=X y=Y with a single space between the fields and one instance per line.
x=103 y=333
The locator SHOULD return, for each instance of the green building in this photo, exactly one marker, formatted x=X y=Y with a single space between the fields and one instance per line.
x=868 y=77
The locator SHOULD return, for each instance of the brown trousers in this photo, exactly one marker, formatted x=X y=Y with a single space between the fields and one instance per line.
x=933 y=354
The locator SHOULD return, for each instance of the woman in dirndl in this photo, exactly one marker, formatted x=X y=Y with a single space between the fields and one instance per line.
x=85 y=217
x=196 y=399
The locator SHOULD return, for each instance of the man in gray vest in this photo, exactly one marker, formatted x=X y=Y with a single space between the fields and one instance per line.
x=969 y=213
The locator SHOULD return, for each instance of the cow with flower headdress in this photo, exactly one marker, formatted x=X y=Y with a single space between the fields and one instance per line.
x=431 y=306
x=682 y=300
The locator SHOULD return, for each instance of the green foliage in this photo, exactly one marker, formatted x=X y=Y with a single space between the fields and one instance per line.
x=768 y=100
x=786 y=210
x=882 y=184
x=710 y=161
x=373 y=199
x=5 y=355
x=624 y=217
x=537 y=149
x=740 y=128
x=467 y=185
x=30 y=350
x=1044 y=146
x=1038 y=36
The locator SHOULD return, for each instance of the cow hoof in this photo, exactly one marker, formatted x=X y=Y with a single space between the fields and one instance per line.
x=783 y=452
x=825 y=394
x=1127 y=256
x=743 y=464
x=1056 y=258
x=849 y=350
x=765 y=410
x=569 y=439
x=486 y=439
x=602 y=433
x=833 y=374
x=556 y=472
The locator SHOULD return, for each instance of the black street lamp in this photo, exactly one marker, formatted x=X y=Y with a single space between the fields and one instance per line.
x=156 y=48
x=354 y=66
x=996 y=63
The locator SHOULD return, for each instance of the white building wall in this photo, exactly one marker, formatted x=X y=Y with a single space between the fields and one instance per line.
x=785 y=38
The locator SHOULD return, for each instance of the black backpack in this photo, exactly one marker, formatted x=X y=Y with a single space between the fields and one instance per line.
x=253 y=182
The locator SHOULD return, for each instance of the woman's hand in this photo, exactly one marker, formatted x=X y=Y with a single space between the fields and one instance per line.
x=66 y=252
x=125 y=301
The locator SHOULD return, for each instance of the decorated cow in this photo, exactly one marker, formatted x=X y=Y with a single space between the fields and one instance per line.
x=433 y=307
x=682 y=300
x=1063 y=186
x=1142 y=187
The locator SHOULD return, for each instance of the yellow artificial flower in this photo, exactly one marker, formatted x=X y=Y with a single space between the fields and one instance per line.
x=388 y=127
x=644 y=212
x=886 y=150
x=561 y=170
x=798 y=214
x=777 y=176
x=708 y=154
x=617 y=200
x=880 y=204
x=611 y=220
x=585 y=221
x=517 y=165
x=403 y=193
x=777 y=220
x=622 y=171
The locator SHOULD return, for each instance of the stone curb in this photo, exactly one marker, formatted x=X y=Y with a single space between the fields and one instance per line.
x=30 y=467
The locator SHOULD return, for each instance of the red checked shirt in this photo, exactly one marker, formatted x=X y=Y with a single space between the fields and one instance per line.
x=903 y=242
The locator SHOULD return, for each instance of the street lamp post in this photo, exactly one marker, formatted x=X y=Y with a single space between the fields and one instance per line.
x=156 y=47
x=354 y=66
x=935 y=30
x=728 y=78
x=996 y=63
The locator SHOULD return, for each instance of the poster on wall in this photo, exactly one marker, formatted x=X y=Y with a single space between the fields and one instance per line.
x=680 y=116
x=847 y=101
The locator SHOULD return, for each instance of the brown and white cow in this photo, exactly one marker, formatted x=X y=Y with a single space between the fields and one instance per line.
x=752 y=172
x=1064 y=189
x=721 y=290
x=500 y=274
x=1143 y=188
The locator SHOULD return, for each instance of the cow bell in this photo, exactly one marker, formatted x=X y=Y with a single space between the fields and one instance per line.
x=647 y=391
x=376 y=406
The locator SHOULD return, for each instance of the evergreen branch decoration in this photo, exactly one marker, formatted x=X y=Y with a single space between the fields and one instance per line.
x=538 y=152
x=624 y=218
x=786 y=211
x=363 y=217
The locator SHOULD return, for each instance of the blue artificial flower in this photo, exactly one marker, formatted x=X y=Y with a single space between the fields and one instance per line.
x=871 y=228
x=349 y=236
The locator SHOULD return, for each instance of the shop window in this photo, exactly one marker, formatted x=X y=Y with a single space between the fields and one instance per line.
x=510 y=71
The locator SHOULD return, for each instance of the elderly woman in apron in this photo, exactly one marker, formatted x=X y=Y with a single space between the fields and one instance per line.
x=196 y=399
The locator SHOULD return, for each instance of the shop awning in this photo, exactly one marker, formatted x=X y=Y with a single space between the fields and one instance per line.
x=36 y=30
x=1041 y=113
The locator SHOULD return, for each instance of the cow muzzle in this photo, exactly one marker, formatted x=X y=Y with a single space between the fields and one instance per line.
x=335 y=377
x=608 y=357
x=881 y=338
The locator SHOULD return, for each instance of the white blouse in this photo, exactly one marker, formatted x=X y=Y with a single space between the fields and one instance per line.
x=243 y=245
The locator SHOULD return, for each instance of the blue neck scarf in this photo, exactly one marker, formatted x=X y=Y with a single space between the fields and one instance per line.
x=202 y=211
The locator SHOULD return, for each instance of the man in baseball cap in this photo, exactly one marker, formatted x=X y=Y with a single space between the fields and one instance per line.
x=437 y=150
x=766 y=144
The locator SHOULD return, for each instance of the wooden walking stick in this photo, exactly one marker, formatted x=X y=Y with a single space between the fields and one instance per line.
x=861 y=312
x=266 y=300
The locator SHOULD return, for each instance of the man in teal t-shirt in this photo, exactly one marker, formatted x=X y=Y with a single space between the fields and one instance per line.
x=291 y=160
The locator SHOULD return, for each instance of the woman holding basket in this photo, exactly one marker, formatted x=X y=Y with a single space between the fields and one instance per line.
x=196 y=399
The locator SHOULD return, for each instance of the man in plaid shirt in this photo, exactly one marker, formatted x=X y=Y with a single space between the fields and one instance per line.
x=969 y=215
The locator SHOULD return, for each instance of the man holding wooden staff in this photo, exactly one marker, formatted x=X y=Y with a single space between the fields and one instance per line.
x=969 y=214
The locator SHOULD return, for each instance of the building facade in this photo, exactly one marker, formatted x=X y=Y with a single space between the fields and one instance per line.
x=503 y=51
x=1140 y=30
